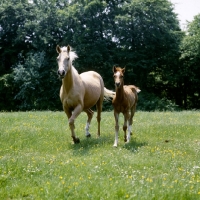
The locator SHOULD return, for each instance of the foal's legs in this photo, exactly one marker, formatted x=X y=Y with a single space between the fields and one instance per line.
x=130 y=122
x=116 y=115
x=90 y=115
x=126 y=122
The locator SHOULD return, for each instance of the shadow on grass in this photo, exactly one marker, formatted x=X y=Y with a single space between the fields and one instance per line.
x=89 y=144
x=106 y=142
x=134 y=145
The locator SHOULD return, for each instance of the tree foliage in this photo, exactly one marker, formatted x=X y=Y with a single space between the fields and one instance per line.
x=33 y=79
x=190 y=59
x=142 y=35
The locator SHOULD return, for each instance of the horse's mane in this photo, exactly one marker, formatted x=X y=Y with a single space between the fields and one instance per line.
x=72 y=54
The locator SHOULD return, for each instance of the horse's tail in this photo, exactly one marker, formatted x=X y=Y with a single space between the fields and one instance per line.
x=108 y=94
x=134 y=88
x=138 y=90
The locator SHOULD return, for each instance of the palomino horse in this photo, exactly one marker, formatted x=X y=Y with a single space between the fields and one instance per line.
x=79 y=92
x=125 y=100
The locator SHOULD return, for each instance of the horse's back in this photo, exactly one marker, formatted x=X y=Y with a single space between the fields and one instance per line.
x=131 y=92
x=91 y=79
x=94 y=86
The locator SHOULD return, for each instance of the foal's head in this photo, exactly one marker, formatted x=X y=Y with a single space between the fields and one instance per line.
x=118 y=76
x=64 y=59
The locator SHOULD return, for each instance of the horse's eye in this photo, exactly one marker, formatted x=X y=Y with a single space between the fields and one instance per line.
x=121 y=76
x=114 y=76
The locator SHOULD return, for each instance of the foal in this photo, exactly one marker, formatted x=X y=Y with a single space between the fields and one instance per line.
x=124 y=101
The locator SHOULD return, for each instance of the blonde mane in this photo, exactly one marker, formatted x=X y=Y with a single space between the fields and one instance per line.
x=72 y=54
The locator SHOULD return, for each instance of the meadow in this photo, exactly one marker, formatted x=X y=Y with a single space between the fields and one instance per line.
x=39 y=161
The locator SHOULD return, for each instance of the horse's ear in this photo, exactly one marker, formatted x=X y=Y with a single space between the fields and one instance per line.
x=58 y=49
x=68 y=48
x=123 y=70
x=114 y=69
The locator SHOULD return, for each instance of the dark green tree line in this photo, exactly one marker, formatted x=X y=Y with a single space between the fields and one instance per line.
x=142 y=35
x=189 y=70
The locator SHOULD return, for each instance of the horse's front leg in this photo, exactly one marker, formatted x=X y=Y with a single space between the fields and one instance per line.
x=90 y=115
x=116 y=115
x=76 y=112
x=126 y=123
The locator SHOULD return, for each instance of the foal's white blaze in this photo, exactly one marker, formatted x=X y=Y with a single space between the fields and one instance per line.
x=87 y=127
x=117 y=74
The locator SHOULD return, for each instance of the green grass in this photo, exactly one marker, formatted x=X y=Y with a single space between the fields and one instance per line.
x=39 y=161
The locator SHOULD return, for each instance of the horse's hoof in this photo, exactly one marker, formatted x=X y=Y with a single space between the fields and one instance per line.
x=76 y=140
x=115 y=145
x=88 y=136
x=125 y=140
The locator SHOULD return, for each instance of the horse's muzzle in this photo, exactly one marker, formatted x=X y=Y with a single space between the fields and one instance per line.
x=61 y=73
x=117 y=84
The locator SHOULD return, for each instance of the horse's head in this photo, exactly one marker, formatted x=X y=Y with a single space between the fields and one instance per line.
x=118 y=76
x=64 y=59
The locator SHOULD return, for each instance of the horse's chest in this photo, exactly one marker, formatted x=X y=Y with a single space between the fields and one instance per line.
x=120 y=106
x=71 y=101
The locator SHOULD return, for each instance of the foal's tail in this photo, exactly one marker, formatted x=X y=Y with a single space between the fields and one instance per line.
x=135 y=88
x=108 y=94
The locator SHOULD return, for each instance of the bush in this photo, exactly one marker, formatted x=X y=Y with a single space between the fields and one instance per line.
x=151 y=102
x=38 y=89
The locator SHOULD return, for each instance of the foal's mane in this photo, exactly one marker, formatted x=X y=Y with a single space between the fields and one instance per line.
x=72 y=54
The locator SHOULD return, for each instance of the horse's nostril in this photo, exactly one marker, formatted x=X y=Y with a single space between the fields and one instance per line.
x=117 y=84
x=61 y=72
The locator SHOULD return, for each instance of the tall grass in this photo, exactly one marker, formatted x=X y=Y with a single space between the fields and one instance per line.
x=39 y=161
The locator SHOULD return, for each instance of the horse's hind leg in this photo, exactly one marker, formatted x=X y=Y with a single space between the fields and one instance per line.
x=130 y=122
x=99 y=109
x=90 y=115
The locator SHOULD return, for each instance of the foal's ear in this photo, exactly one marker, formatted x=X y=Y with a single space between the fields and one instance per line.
x=58 y=49
x=114 y=69
x=123 y=70
x=68 y=48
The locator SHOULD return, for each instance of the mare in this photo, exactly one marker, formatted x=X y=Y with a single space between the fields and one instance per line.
x=124 y=102
x=79 y=92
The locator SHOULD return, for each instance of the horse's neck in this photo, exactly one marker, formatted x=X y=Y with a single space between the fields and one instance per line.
x=120 y=92
x=70 y=79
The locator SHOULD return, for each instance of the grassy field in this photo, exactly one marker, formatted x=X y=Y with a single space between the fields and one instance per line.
x=39 y=161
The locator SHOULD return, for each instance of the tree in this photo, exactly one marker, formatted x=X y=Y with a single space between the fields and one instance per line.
x=147 y=34
x=37 y=89
x=88 y=26
x=143 y=35
x=13 y=16
x=27 y=29
x=189 y=70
